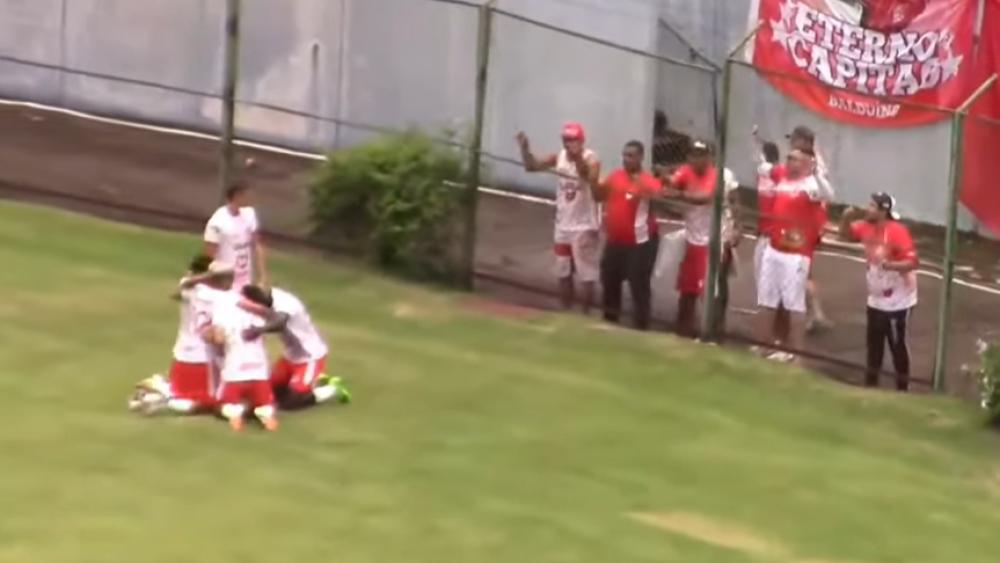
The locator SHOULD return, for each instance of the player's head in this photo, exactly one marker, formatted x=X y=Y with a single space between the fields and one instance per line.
x=222 y=275
x=199 y=264
x=700 y=156
x=632 y=156
x=800 y=163
x=802 y=137
x=573 y=138
x=238 y=194
x=882 y=208
x=258 y=295
x=771 y=152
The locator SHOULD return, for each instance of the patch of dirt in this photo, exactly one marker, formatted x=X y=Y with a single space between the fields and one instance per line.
x=712 y=532
x=719 y=534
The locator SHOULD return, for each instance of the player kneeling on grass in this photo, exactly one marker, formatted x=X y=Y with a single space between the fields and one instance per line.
x=237 y=332
x=298 y=379
x=191 y=385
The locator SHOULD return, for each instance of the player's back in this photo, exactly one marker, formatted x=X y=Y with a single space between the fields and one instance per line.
x=243 y=359
x=197 y=307
x=302 y=340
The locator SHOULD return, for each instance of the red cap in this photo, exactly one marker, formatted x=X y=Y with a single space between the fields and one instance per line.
x=573 y=131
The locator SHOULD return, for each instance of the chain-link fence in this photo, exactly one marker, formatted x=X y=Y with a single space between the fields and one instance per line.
x=325 y=75
x=846 y=295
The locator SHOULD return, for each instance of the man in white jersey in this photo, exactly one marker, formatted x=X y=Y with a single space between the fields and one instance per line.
x=237 y=333
x=232 y=236
x=192 y=382
x=577 y=242
x=299 y=378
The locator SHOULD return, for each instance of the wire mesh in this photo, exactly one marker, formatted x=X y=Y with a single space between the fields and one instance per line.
x=858 y=166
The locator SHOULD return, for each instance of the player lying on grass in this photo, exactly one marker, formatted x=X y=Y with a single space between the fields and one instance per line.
x=191 y=385
x=298 y=379
x=237 y=333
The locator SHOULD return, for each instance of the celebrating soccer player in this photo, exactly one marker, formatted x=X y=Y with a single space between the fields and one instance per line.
x=299 y=378
x=232 y=236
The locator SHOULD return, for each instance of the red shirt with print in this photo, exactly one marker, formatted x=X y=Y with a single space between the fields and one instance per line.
x=888 y=242
x=765 y=197
x=794 y=227
x=627 y=216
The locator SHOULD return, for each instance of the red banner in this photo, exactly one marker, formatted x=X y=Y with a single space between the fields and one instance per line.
x=980 y=193
x=857 y=60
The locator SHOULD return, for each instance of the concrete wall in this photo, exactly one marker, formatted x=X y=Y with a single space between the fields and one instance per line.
x=394 y=63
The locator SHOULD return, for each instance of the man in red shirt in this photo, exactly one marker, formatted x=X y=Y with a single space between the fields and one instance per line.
x=786 y=261
x=693 y=184
x=632 y=235
x=892 y=283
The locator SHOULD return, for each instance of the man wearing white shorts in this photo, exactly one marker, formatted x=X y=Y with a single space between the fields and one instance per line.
x=577 y=243
x=785 y=264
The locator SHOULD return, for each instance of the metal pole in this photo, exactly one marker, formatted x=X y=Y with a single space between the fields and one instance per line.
x=951 y=238
x=231 y=65
x=710 y=312
x=476 y=144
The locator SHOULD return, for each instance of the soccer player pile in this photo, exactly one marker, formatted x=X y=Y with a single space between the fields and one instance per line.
x=220 y=363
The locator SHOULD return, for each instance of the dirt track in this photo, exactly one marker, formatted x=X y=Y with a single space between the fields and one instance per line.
x=170 y=181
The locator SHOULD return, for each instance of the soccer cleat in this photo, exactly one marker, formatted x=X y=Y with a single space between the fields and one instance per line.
x=156 y=383
x=343 y=393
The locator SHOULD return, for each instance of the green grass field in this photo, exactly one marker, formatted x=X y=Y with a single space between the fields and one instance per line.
x=474 y=437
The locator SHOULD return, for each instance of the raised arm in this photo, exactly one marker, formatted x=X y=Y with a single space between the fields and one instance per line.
x=531 y=162
x=847 y=220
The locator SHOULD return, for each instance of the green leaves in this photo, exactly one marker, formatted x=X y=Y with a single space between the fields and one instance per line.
x=390 y=201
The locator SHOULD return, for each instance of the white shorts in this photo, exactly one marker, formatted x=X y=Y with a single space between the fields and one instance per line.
x=758 y=255
x=782 y=281
x=579 y=253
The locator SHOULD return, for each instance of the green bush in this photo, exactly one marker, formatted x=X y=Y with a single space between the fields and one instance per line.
x=989 y=378
x=394 y=201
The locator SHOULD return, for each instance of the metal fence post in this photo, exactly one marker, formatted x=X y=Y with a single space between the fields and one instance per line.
x=951 y=238
x=710 y=316
x=476 y=144
x=231 y=65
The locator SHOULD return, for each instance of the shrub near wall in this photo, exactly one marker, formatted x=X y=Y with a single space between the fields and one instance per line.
x=393 y=201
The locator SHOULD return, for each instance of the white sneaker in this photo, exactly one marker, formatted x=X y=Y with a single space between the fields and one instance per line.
x=782 y=357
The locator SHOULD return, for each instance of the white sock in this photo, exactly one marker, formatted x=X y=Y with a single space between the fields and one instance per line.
x=231 y=411
x=266 y=411
x=181 y=406
x=324 y=393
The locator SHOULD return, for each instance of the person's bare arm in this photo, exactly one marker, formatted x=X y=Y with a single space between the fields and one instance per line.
x=211 y=249
x=531 y=162
x=600 y=190
x=273 y=322
x=590 y=169
x=851 y=214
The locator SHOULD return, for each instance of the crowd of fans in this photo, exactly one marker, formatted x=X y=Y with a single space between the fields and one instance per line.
x=607 y=230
